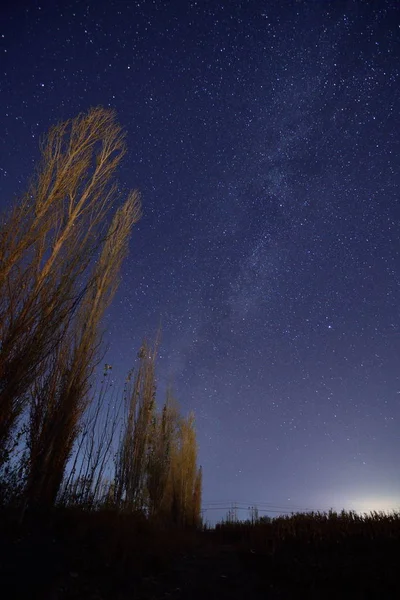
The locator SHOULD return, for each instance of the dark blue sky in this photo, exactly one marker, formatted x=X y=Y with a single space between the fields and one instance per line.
x=264 y=137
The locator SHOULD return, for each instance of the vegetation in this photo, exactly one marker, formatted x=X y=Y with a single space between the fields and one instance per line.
x=59 y=269
x=268 y=534
x=319 y=554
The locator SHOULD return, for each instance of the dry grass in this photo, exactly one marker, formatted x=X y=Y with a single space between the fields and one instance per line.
x=105 y=555
x=310 y=528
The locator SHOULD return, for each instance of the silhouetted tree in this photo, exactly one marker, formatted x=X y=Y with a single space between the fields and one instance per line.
x=93 y=451
x=197 y=496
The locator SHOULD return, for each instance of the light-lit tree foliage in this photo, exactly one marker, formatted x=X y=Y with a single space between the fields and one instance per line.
x=59 y=270
x=162 y=442
x=56 y=411
x=132 y=459
x=47 y=243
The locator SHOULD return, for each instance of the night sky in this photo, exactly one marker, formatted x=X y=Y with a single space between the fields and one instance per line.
x=264 y=137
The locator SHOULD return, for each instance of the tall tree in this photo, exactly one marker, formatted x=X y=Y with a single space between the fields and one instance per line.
x=184 y=478
x=197 y=497
x=161 y=446
x=59 y=404
x=132 y=458
x=47 y=243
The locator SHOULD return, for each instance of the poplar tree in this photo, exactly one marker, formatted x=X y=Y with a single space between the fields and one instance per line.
x=59 y=403
x=160 y=454
x=47 y=243
x=132 y=457
x=183 y=474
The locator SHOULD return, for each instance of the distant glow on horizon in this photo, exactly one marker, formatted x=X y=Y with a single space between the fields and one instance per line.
x=375 y=503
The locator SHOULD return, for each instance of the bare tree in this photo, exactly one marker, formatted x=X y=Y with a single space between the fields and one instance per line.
x=161 y=445
x=58 y=405
x=197 y=496
x=46 y=245
x=93 y=450
x=132 y=457
x=183 y=473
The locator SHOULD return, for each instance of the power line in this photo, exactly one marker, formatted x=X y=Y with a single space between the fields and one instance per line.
x=266 y=505
x=240 y=506
x=230 y=507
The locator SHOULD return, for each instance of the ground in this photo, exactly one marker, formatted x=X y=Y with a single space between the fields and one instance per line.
x=70 y=559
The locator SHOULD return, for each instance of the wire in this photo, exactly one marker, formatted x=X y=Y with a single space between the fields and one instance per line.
x=273 y=508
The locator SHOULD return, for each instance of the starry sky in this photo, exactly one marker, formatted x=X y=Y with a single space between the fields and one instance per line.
x=264 y=137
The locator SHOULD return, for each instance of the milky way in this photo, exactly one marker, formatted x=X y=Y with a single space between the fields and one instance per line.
x=264 y=139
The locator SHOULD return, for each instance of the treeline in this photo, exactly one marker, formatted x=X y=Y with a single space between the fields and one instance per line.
x=61 y=250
